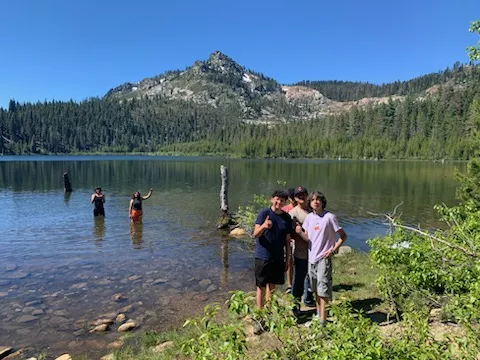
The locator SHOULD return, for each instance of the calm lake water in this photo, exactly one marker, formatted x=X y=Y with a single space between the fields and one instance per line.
x=60 y=267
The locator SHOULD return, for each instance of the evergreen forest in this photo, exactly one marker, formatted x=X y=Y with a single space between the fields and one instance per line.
x=431 y=117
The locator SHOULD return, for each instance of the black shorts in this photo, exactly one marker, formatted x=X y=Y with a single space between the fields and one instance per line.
x=97 y=212
x=269 y=272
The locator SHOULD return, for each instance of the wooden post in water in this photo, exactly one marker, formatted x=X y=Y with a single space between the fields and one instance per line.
x=224 y=220
x=67 y=186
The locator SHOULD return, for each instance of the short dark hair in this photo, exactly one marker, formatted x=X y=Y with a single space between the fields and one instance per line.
x=98 y=188
x=318 y=195
x=280 y=193
x=291 y=193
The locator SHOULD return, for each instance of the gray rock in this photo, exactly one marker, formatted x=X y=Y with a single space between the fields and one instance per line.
x=205 y=282
x=33 y=303
x=211 y=288
x=344 y=250
x=17 y=275
x=28 y=309
x=163 y=301
x=11 y=267
x=60 y=313
x=176 y=284
x=134 y=277
x=26 y=318
x=38 y=312
x=159 y=281
x=79 y=285
x=3 y=294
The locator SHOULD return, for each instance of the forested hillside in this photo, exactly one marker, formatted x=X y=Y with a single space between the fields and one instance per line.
x=428 y=123
x=351 y=90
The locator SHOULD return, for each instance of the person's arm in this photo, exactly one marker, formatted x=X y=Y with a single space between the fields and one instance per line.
x=260 y=228
x=148 y=195
x=92 y=199
x=341 y=239
x=103 y=198
x=130 y=208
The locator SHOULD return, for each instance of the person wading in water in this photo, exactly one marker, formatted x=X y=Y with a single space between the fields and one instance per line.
x=135 y=210
x=98 y=199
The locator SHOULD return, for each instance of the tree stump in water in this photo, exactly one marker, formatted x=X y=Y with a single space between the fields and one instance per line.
x=67 y=186
x=225 y=219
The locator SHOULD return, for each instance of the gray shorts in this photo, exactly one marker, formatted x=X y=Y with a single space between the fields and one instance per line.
x=320 y=275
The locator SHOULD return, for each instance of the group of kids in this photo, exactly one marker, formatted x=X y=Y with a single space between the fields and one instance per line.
x=135 y=210
x=313 y=233
x=304 y=226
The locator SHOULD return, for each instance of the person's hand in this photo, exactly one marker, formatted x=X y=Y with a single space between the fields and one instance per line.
x=151 y=189
x=267 y=224
x=328 y=253
x=298 y=229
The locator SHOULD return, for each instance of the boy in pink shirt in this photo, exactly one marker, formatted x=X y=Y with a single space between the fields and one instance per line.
x=320 y=229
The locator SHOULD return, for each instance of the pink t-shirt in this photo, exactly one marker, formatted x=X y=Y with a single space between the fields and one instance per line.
x=322 y=234
x=287 y=208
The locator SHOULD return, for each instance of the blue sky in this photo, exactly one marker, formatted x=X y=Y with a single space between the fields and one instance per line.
x=58 y=49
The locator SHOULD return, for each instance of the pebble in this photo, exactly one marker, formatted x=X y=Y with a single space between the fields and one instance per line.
x=205 y=282
x=38 y=312
x=126 y=309
x=99 y=328
x=163 y=346
x=129 y=325
x=60 y=312
x=120 y=319
x=17 y=275
x=26 y=318
x=4 y=350
x=3 y=294
x=115 y=345
x=237 y=232
x=79 y=285
x=163 y=301
x=103 y=321
x=211 y=288
x=33 y=303
x=134 y=277
x=200 y=297
x=176 y=284
x=118 y=297
x=11 y=267
x=64 y=357
x=159 y=281
x=107 y=357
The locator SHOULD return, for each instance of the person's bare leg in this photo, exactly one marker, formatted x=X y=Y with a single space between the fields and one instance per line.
x=323 y=309
x=270 y=290
x=290 y=277
x=260 y=297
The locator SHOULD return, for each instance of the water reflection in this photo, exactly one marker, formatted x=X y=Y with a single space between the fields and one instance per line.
x=136 y=234
x=98 y=229
x=224 y=250
x=66 y=197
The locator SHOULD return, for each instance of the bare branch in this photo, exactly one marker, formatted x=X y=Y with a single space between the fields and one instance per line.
x=431 y=237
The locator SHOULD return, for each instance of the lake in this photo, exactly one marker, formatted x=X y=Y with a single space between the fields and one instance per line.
x=61 y=268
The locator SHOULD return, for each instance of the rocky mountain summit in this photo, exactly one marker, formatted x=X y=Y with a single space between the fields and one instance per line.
x=221 y=83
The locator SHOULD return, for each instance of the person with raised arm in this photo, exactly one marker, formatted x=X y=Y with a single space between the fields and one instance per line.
x=135 y=210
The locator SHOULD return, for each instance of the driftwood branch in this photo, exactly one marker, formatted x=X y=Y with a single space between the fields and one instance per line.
x=394 y=223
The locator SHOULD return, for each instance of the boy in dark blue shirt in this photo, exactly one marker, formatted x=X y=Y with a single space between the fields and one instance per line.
x=272 y=247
